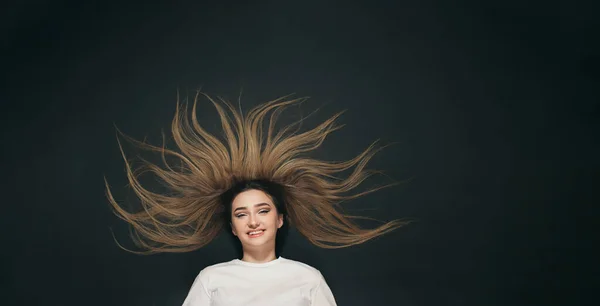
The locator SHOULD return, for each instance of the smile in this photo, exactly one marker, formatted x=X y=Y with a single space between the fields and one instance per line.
x=255 y=234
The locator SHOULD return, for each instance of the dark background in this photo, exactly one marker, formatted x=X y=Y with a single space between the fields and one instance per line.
x=494 y=107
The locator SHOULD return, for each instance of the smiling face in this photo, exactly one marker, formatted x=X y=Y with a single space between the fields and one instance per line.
x=254 y=219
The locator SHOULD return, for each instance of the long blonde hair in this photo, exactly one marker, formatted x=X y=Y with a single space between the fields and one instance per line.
x=190 y=215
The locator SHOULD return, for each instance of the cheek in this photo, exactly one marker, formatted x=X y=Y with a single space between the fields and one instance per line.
x=274 y=222
x=235 y=225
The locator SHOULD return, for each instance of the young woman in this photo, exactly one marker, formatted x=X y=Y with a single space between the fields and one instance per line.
x=254 y=184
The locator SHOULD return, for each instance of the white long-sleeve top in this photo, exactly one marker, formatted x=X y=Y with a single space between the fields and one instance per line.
x=281 y=282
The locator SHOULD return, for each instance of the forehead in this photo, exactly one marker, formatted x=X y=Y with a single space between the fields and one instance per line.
x=251 y=197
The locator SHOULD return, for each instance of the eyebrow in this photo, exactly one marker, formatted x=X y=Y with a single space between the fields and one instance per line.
x=255 y=205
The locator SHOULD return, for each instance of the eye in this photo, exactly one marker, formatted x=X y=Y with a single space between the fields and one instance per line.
x=239 y=215
x=263 y=211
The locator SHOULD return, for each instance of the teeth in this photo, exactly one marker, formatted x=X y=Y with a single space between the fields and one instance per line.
x=255 y=232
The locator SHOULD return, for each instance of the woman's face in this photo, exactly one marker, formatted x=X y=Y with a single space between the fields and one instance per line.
x=254 y=219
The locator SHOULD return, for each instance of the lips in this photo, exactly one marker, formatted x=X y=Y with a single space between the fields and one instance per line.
x=256 y=233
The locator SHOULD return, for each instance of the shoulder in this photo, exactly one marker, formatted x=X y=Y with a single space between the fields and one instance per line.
x=208 y=272
x=299 y=265
x=301 y=268
x=215 y=268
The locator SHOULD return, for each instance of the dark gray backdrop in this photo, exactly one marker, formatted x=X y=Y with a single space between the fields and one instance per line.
x=494 y=108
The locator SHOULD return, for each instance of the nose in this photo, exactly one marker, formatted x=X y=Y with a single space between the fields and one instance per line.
x=252 y=223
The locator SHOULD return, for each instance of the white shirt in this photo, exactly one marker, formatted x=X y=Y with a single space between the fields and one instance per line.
x=280 y=282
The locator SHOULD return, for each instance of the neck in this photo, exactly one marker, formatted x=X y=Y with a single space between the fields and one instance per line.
x=259 y=256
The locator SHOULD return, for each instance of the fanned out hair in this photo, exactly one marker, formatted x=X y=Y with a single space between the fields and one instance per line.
x=190 y=215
